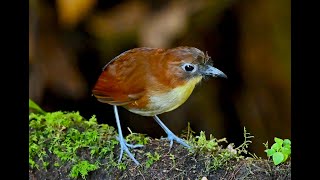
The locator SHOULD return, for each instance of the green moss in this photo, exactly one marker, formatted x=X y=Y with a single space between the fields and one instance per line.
x=137 y=138
x=65 y=134
x=152 y=158
x=82 y=168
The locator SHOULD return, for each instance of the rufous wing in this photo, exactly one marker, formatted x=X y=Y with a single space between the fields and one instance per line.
x=122 y=80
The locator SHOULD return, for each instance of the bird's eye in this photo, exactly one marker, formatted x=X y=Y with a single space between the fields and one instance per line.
x=189 y=67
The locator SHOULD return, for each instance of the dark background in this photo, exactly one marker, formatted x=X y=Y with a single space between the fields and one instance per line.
x=249 y=40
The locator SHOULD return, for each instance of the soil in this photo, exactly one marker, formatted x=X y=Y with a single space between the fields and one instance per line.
x=183 y=166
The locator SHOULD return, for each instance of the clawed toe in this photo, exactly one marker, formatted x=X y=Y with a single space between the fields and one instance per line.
x=170 y=134
x=172 y=137
x=124 y=147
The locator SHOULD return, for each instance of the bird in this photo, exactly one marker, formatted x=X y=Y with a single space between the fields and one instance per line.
x=151 y=81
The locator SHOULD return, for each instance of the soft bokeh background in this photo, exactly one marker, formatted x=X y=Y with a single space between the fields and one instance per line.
x=71 y=40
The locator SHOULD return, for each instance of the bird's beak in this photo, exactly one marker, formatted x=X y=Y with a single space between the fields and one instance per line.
x=212 y=71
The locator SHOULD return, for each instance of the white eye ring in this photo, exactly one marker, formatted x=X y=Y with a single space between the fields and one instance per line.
x=191 y=68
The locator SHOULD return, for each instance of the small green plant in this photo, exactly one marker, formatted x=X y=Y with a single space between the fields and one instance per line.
x=280 y=150
x=225 y=155
x=122 y=166
x=245 y=145
x=188 y=133
x=34 y=106
x=56 y=164
x=212 y=148
x=82 y=168
x=152 y=158
x=137 y=138
x=173 y=158
x=203 y=145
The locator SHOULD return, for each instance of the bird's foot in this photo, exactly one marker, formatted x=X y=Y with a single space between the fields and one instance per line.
x=172 y=137
x=124 y=147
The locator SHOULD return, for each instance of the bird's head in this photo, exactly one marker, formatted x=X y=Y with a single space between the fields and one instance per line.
x=188 y=63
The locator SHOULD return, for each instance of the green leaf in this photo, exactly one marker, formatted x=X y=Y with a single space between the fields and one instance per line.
x=286 y=141
x=33 y=105
x=270 y=152
x=285 y=157
x=276 y=146
x=287 y=146
x=286 y=150
x=277 y=158
x=278 y=141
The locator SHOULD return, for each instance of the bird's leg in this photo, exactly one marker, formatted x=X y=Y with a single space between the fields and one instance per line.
x=123 y=144
x=171 y=135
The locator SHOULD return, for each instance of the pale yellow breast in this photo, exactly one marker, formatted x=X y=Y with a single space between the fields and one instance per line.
x=170 y=100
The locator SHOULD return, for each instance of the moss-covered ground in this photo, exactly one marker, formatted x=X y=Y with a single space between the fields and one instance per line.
x=64 y=145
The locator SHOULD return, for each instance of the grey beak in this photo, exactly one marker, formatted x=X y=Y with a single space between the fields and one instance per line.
x=212 y=71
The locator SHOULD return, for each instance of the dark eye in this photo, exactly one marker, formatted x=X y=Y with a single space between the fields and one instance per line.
x=189 y=67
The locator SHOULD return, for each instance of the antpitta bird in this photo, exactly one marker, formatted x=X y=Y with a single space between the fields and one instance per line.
x=152 y=81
